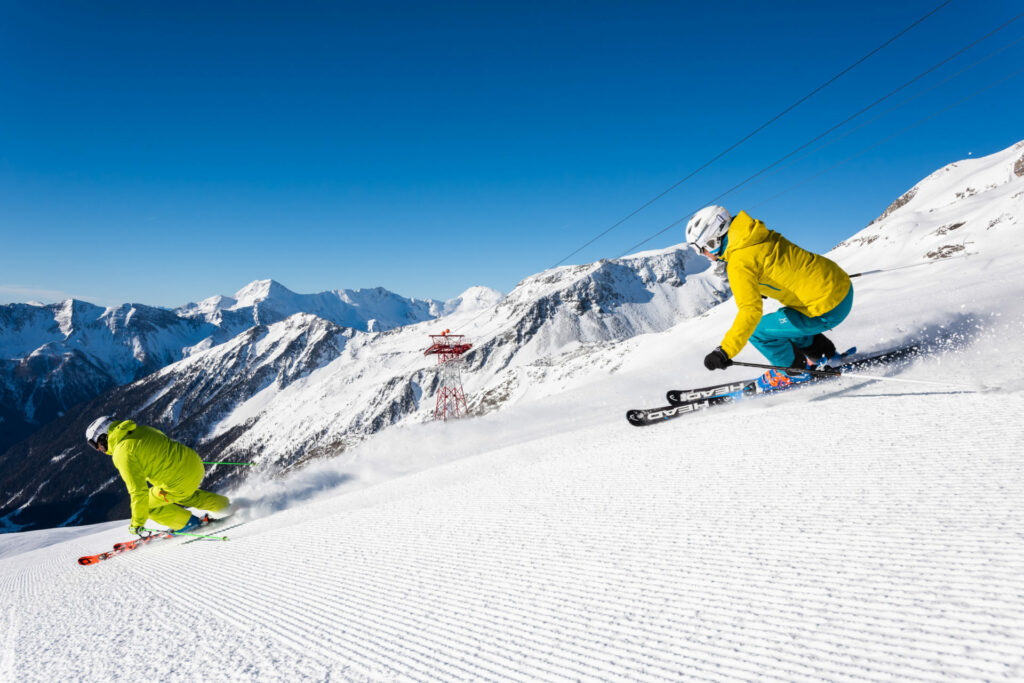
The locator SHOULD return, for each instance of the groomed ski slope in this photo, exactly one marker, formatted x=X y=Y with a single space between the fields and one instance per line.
x=864 y=532
x=846 y=531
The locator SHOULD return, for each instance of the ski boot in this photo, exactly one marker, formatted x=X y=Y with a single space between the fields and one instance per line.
x=192 y=523
x=818 y=354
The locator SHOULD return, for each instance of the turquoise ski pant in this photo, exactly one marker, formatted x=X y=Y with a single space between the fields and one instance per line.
x=779 y=331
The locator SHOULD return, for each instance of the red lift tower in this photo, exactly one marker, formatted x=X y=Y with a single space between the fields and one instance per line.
x=451 y=399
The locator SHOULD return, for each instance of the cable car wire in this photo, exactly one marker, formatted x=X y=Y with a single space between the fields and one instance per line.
x=752 y=133
x=830 y=130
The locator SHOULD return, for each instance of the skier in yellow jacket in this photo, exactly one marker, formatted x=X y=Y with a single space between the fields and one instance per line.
x=815 y=293
x=162 y=475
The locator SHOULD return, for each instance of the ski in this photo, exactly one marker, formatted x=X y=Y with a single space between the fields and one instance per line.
x=122 y=548
x=678 y=397
x=641 y=417
x=686 y=401
x=134 y=544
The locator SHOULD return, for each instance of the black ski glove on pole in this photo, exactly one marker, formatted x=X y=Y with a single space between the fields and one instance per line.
x=717 y=360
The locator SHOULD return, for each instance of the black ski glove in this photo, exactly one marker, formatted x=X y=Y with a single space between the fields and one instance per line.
x=717 y=360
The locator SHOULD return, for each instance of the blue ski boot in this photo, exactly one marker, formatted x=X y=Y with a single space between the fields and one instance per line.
x=192 y=523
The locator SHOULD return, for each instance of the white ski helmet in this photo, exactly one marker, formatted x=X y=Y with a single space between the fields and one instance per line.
x=97 y=429
x=707 y=229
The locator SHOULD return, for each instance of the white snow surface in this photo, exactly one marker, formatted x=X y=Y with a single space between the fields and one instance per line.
x=851 y=530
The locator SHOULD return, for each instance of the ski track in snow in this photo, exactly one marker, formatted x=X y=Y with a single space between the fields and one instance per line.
x=880 y=541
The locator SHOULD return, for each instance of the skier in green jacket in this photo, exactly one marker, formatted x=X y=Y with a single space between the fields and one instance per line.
x=162 y=475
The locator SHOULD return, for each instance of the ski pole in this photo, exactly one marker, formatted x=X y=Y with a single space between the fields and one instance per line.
x=828 y=372
x=840 y=373
x=249 y=464
x=911 y=265
x=181 y=533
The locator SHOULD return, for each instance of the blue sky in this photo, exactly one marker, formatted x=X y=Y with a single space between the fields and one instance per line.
x=165 y=152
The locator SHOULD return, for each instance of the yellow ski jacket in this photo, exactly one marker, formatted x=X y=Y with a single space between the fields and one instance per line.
x=763 y=262
x=144 y=454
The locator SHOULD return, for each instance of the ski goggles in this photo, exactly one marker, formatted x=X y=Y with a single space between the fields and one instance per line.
x=710 y=242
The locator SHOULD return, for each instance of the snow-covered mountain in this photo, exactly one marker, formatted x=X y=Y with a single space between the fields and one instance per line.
x=295 y=390
x=265 y=302
x=861 y=529
x=55 y=356
x=290 y=390
x=967 y=207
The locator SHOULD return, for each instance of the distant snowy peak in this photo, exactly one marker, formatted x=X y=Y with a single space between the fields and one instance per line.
x=609 y=280
x=968 y=207
x=260 y=291
x=72 y=313
x=79 y=325
x=265 y=302
x=208 y=307
x=473 y=299
x=563 y=309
